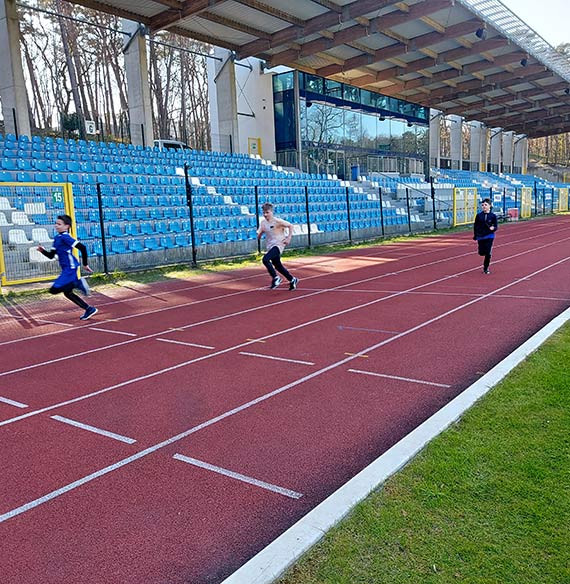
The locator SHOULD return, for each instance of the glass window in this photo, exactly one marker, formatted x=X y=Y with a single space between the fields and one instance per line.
x=351 y=93
x=383 y=134
x=397 y=129
x=368 y=131
x=333 y=88
x=283 y=82
x=352 y=128
x=314 y=84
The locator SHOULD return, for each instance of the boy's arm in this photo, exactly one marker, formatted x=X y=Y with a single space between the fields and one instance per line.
x=260 y=230
x=289 y=227
x=83 y=251
x=49 y=254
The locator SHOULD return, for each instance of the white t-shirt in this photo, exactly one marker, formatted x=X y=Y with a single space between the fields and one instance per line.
x=275 y=233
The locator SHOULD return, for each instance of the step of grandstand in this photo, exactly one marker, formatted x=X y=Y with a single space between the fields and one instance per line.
x=143 y=194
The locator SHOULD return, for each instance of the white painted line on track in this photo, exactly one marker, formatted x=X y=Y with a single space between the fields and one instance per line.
x=113 y=332
x=11 y=402
x=366 y=330
x=276 y=358
x=238 y=476
x=361 y=353
x=271 y=562
x=94 y=429
x=247 y=405
x=186 y=344
x=421 y=381
x=336 y=258
x=294 y=298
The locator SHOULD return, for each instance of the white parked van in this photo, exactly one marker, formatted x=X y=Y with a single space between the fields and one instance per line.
x=170 y=145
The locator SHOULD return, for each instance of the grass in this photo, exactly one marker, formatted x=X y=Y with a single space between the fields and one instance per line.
x=487 y=502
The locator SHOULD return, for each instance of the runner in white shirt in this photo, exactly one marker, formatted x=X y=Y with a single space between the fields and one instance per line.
x=278 y=233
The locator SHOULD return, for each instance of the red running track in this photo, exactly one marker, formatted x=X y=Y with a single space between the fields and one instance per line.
x=187 y=425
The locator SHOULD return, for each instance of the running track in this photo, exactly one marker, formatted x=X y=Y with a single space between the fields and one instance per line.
x=190 y=423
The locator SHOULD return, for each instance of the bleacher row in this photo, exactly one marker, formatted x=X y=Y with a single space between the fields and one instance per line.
x=143 y=195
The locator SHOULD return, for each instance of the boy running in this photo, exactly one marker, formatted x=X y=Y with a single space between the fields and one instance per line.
x=278 y=234
x=484 y=229
x=67 y=281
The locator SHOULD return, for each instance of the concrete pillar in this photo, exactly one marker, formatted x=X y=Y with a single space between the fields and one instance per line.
x=456 y=130
x=434 y=138
x=508 y=139
x=138 y=90
x=12 y=85
x=478 y=147
x=520 y=154
x=496 y=149
x=226 y=97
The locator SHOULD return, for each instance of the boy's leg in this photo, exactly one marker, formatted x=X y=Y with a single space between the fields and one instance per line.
x=276 y=260
x=267 y=261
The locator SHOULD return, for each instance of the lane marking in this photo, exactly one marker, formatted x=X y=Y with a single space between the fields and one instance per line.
x=367 y=330
x=95 y=475
x=184 y=343
x=399 y=378
x=94 y=429
x=11 y=402
x=255 y=340
x=357 y=355
x=273 y=560
x=291 y=329
x=238 y=476
x=337 y=258
x=113 y=332
x=276 y=358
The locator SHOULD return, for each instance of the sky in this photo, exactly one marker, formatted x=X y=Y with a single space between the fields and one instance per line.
x=547 y=17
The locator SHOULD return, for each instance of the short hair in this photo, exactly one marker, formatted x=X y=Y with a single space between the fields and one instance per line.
x=66 y=219
x=487 y=200
x=267 y=207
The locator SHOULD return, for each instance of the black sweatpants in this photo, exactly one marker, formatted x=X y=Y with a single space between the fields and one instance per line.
x=67 y=291
x=485 y=247
x=272 y=261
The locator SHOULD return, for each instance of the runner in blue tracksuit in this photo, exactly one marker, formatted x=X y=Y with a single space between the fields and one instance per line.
x=68 y=280
x=484 y=229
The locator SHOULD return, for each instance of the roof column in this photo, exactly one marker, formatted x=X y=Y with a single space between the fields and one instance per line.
x=520 y=164
x=456 y=129
x=226 y=97
x=12 y=85
x=138 y=89
x=478 y=147
x=508 y=140
x=435 y=138
x=496 y=154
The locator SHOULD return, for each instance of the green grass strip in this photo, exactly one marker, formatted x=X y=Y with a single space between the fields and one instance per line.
x=486 y=502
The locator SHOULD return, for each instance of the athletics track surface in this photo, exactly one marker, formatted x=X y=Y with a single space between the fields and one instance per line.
x=190 y=423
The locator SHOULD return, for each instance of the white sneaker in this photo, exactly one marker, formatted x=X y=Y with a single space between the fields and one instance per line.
x=275 y=282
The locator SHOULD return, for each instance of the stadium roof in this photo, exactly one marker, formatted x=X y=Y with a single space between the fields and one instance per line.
x=473 y=58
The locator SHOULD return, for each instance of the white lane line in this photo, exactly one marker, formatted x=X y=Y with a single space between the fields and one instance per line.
x=366 y=330
x=276 y=358
x=94 y=429
x=239 y=477
x=272 y=561
x=249 y=404
x=113 y=332
x=11 y=402
x=421 y=381
x=291 y=329
x=318 y=291
x=187 y=344
x=291 y=299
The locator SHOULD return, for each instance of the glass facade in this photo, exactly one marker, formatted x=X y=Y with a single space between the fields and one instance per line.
x=341 y=126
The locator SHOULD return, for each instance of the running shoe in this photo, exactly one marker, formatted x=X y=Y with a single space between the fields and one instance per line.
x=91 y=310
x=293 y=284
x=275 y=282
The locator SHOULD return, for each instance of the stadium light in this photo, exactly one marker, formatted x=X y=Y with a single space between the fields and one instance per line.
x=481 y=33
